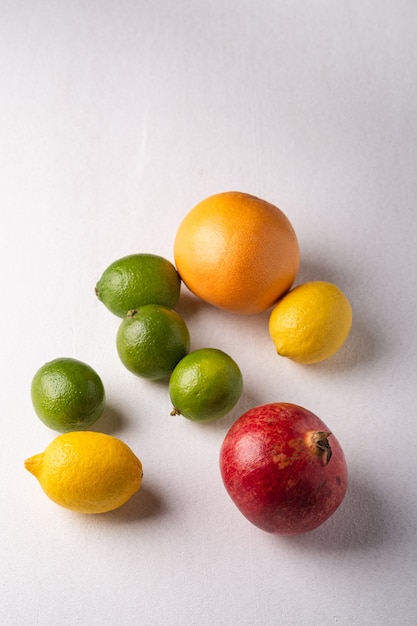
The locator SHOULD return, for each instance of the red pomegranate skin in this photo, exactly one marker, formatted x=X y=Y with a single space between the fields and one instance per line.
x=283 y=468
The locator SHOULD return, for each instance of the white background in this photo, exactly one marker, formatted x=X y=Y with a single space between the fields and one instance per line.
x=116 y=117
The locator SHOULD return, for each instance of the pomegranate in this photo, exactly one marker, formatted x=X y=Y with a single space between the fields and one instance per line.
x=283 y=468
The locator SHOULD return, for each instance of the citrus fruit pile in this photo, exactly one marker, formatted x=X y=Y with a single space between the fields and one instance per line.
x=241 y=254
x=81 y=470
x=153 y=340
x=232 y=250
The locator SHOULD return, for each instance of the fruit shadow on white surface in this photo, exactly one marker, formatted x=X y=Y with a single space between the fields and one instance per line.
x=113 y=421
x=145 y=504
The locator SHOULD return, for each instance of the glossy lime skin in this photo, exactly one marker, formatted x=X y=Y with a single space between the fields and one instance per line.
x=138 y=279
x=205 y=385
x=67 y=394
x=152 y=340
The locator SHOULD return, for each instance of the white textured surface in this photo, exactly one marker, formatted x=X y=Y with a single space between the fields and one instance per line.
x=116 y=117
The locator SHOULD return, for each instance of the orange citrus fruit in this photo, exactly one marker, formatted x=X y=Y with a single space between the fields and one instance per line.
x=237 y=252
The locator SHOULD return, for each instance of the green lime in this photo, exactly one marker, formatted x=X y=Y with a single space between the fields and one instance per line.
x=67 y=395
x=138 y=279
x=205 y=385
x=151 y=340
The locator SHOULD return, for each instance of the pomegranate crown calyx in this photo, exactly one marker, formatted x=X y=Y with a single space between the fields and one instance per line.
x=322 y=446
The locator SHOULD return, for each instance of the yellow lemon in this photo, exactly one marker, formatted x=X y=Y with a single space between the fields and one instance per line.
x=87 y=472
x=311 y=322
